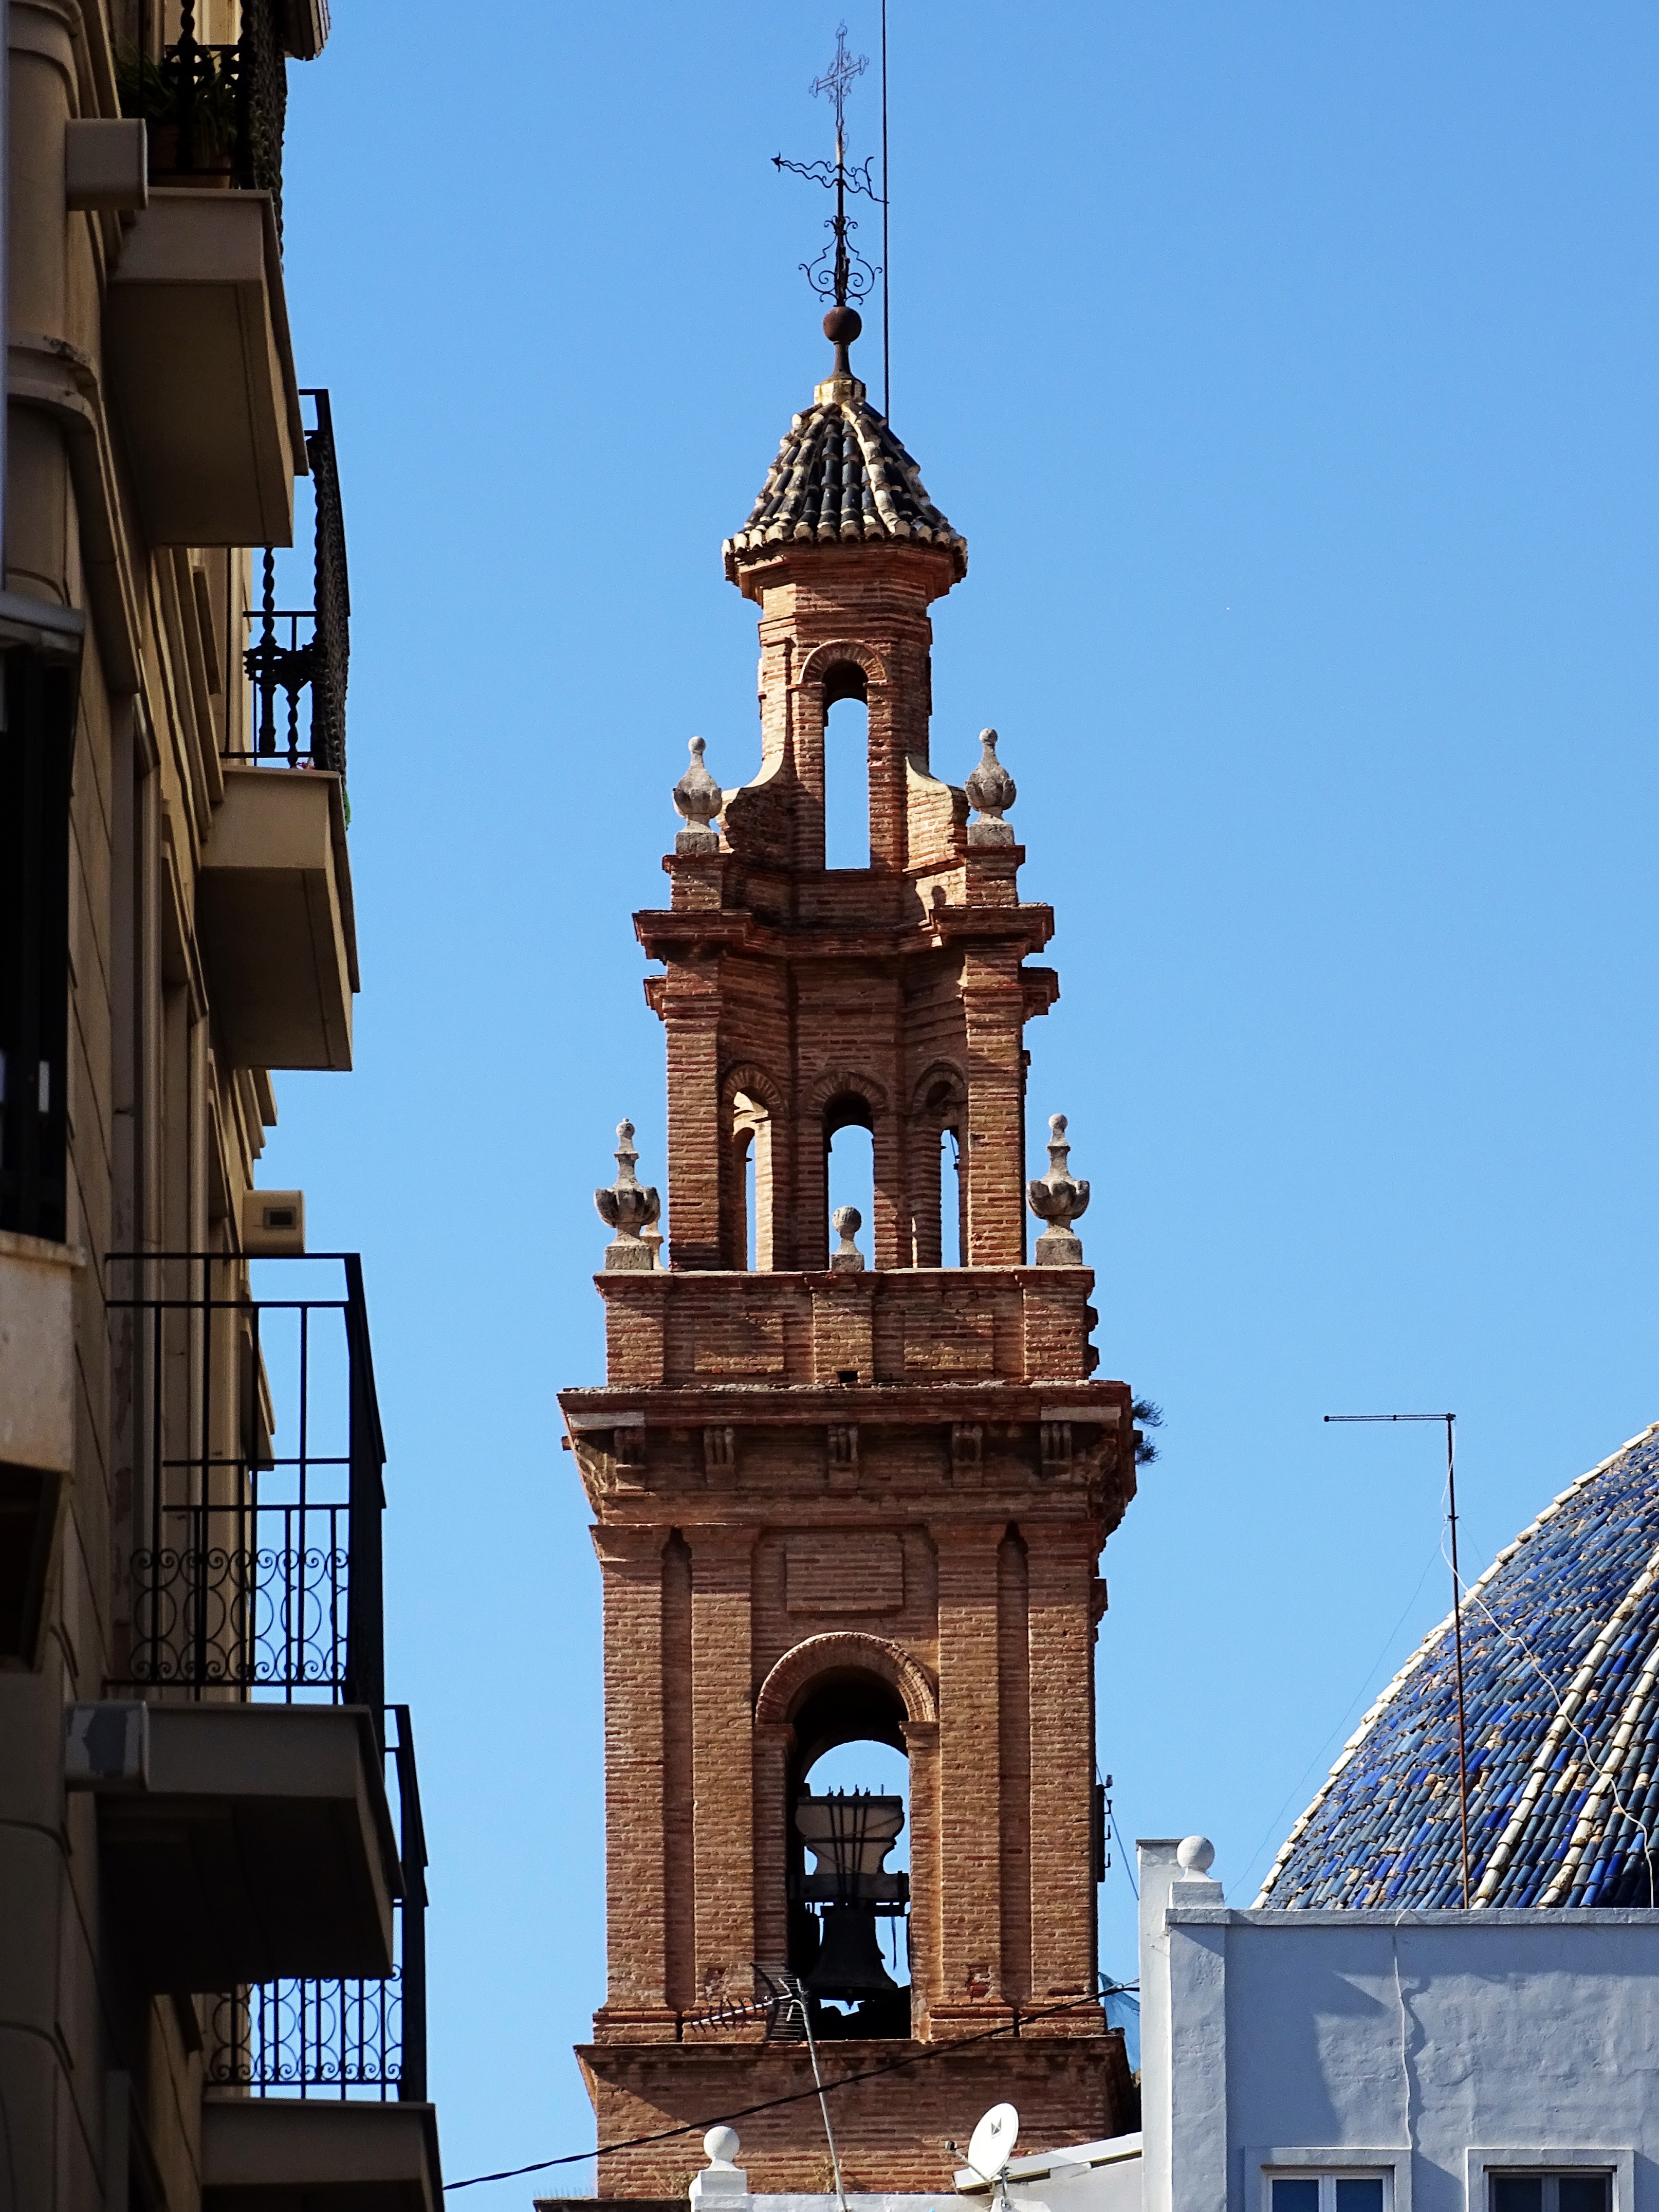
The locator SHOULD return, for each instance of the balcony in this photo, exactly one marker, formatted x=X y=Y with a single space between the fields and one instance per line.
x=317 y=2089
x=274 y=913
x=37 y=1427
x=274 y=895
x=216 y=113
x=259 y=1463
x=246 y=1831
x=196 y=337
x=298 y=649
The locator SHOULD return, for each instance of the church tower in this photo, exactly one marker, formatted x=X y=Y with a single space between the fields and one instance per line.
x=846 y=1495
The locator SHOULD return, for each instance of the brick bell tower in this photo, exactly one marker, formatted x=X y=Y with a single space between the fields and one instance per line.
x=834 y=1499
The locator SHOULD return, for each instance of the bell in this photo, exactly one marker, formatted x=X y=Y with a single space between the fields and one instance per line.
x=848 y=1964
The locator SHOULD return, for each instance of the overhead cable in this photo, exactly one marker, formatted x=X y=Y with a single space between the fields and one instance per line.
x=798 y=2096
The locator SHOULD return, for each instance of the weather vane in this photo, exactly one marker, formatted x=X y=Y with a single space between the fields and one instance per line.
x=840 y=273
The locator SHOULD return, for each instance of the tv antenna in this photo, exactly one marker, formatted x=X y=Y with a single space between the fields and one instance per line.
x=1457 y=1612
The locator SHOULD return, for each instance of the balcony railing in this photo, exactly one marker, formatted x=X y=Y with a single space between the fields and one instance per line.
x=341 y=2038
x=300 y=648
x=258 y=1457
x=215 y=113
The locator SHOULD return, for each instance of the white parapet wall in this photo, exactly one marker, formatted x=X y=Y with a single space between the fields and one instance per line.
x=1432 y=2050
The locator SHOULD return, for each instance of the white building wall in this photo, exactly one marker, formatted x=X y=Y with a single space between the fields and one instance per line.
x=1426 y=2041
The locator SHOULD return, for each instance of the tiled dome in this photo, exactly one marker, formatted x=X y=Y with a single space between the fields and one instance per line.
x=841 y=478
x=1561 y=1695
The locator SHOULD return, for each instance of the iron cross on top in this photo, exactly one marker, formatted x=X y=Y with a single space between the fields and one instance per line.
x=838 y=80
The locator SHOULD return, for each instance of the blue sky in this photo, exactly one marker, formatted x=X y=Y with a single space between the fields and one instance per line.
x=1290 y=369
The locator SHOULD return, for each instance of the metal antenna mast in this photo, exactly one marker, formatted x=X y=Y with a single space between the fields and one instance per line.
x=886 y=256
x=840 y=273
x=1457 y=1612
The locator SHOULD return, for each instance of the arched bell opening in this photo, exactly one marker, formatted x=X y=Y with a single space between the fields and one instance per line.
x=847 y=839
x=847 y=1800
x=938 y=1185
x=751 y=1183
x=849 y=1164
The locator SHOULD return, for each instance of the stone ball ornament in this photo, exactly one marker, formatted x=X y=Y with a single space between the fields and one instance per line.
x=721 y=2146
x=1195 y=1855
x=697 y=800
x=847 y=1221
x=992 y=791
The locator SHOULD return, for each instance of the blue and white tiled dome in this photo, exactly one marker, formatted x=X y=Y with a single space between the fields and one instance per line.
x=1561 y=1681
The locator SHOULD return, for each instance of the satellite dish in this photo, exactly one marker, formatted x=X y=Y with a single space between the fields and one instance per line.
x=993 y=2142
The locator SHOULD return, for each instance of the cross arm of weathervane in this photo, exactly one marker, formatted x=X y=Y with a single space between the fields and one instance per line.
x=853 y=177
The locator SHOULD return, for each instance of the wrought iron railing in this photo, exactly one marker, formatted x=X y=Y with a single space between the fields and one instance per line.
x=364 y=2039
x=258 y=1457
x=216 y=113
x=294 y=649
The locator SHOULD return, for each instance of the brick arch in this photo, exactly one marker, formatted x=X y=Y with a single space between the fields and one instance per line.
x=839 y=652
x=756 y=1082
x=941 y=1071
x=848 y=1648
x=770 y=1145
x=842 y=1081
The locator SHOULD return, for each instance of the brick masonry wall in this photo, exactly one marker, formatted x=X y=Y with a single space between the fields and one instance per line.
x=890 y=2132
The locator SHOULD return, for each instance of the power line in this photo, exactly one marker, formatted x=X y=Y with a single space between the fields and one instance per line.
x=797 y=2096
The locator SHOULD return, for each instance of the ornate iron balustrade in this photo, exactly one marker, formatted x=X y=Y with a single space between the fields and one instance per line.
x=313 y=650
x=342 y=2038
x=257 y=1457
x=216 y=113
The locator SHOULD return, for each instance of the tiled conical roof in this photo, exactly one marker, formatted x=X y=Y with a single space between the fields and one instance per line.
x=841 y=478
x=1561 y=1676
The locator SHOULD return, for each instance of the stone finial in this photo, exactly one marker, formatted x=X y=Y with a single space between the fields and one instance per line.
x=1195 y=1856
x=992 y=791
x=722 y=2179
x=628 y=1207
x=698 y=799
x=847 y=1259
x=1059 y=1200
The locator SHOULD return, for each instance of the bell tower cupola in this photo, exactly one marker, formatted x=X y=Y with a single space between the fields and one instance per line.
x=895 y=995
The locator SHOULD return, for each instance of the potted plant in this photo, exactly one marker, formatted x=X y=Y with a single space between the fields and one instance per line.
x=188 y=103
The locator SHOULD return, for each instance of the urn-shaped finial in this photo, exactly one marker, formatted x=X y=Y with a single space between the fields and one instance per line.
x=1058 y=1199
x=629 y=1208
x=992 y=791
x=697 y=799
x=846 y=1259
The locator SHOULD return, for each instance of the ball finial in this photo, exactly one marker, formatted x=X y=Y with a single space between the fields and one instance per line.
x=721 y=2146
x=1195 y=1855
x=842 y=325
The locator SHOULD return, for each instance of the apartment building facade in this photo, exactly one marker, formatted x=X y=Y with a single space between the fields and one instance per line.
x=211 y=1885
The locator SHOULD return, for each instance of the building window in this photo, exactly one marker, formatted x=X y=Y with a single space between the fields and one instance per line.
x=1328 y=2192
x=1573 y=2192
x=36 y=731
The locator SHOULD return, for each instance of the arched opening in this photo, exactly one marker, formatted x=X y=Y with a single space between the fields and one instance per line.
x=953 y=1198
x=846 y=776
x=751 y=1183
x=849 y=1163
x=848 y=1857
x=937 y=1180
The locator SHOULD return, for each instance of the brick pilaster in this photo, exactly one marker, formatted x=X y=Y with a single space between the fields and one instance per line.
x=1060 y=1566
x=722 y=1761
x=636 y=1918
x=969 y=1795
